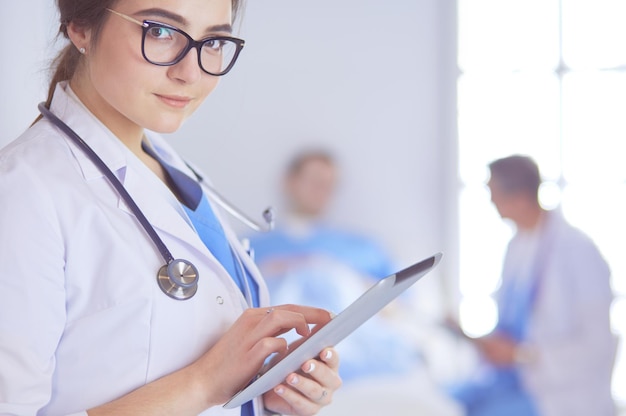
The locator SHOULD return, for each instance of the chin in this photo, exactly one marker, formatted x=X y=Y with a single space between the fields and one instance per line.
x=168 y=130
x=165 y=126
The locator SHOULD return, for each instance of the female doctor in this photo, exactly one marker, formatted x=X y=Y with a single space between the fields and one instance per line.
x=85 y=324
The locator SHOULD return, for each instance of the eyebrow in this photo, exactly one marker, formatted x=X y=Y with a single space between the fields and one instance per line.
x=166 y=14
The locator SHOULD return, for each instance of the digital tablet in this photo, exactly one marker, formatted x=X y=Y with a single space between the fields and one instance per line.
x=342 y=325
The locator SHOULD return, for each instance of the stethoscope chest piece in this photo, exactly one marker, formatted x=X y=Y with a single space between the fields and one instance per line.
x=178 y=279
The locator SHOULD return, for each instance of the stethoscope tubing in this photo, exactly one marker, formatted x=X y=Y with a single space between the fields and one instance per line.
x=214 y=195
x=160 y=245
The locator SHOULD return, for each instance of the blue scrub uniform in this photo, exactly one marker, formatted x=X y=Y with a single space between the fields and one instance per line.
x=498 y=391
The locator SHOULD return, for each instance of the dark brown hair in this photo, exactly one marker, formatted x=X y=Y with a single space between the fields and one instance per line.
x=516 y=174
x=89 y=14
x=301 y=159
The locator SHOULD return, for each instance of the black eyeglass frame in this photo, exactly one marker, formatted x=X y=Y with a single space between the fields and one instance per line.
x=191 y=43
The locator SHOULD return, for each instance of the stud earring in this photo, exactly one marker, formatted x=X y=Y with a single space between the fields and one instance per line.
x=82 y=51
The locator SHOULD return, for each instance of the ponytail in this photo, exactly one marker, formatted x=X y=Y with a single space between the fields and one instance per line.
x=64 y=67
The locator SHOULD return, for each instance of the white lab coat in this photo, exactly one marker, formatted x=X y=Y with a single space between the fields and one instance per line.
x=82 y=320
x=570 y=327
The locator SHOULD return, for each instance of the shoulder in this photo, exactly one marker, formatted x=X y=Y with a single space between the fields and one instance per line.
x=362 y=250
x=575 y=250
x=267 y=242
x=350 y=237
x=36 y=149
x=568 y=236
x=34 y=168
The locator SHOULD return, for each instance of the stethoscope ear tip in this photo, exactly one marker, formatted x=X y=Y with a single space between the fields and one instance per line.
x=268 y=216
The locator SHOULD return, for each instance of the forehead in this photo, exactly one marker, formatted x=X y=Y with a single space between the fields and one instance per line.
x=193 y=15
x=316 y=165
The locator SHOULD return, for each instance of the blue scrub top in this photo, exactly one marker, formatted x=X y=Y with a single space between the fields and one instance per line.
x=212 y=235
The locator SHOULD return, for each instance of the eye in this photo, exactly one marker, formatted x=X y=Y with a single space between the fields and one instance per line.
x=214 y=45
x=160 y=32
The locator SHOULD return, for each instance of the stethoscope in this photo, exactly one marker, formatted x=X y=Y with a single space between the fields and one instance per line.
x=178 y=278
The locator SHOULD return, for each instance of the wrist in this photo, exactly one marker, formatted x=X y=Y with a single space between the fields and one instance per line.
x=201 y=387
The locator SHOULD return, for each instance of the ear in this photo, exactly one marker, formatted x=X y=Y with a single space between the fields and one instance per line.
x=80 y=36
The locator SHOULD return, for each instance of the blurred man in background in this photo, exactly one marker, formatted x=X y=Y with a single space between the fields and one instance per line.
x=552 y=351
x=304 y=237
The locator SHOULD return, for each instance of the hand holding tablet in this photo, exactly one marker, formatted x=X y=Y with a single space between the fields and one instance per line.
x=362 y=309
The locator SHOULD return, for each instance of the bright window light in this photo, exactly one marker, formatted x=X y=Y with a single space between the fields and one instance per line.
x=547 y=79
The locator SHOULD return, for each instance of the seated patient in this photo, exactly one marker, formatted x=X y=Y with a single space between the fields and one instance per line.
x=306 y=260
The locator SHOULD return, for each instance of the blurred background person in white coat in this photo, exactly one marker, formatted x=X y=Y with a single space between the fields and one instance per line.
x=552 y=351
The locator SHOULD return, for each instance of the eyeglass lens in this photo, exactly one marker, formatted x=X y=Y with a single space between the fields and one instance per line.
x=165 y=45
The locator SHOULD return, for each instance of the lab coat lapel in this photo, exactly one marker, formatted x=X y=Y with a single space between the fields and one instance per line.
x=247 y=261
x=250 y=266
x=158 y=204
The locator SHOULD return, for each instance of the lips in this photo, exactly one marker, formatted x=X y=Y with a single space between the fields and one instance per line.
x=175 y=101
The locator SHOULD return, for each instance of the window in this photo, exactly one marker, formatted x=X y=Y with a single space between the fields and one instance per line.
x=545 y=78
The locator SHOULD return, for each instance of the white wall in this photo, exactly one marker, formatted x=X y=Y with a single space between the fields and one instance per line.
x=27 y=44
x=359 y=76
x=372 y=80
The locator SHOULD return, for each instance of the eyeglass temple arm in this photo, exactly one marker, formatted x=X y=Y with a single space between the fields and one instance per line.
x=126 y=17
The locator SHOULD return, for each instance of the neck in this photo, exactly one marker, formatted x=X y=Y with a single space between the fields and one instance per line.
x=531 y=219
x=125 y=130
x=305 y=215
x=299 y=226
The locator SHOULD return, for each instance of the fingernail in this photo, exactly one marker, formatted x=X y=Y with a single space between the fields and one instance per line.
x=328 y=355
x=279 y=390
x=310 y=368
x=332 y=315
x=294 y=380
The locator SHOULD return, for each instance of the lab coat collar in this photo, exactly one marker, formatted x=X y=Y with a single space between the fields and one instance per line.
x=111 y=150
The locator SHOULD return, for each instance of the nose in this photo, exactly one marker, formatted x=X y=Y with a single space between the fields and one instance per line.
x=187 y=69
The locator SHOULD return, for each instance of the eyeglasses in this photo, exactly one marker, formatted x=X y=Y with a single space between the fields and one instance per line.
x=167 y=45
